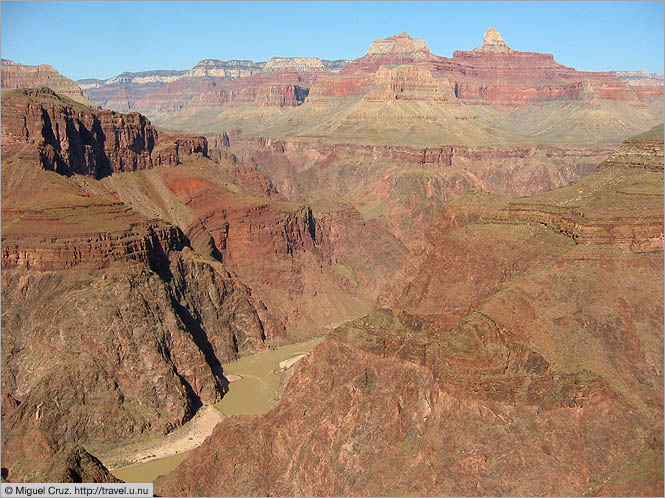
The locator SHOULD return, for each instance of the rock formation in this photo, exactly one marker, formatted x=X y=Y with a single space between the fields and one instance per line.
x=46 y=462
x=72 y=138
x=486 y=260
x=398 y=44
x=313 y=272
x=409 y=83
x=402 y=188
x=106 y=310
x=16 y=75
x=639 y=78
x=73 y=464
x=493 y=42
x=481 y=87
x=536 y=369
x=134 y=290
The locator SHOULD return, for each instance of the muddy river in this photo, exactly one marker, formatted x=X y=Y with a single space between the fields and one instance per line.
x=251 y=395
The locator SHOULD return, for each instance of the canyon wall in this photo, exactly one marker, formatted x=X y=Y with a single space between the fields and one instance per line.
x=114 y=328
x=71 y=138
x=532 y=369
x=402 y=188
x=16 y=75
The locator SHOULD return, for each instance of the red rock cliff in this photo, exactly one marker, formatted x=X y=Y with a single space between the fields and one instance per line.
x=72 y=138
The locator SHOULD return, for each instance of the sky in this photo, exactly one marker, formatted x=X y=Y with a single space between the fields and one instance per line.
x=88 y=39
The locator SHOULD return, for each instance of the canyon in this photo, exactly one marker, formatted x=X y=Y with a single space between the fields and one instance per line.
x=479 y=238
x=503 y=364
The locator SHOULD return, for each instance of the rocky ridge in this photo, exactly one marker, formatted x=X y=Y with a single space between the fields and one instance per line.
x=314 y=271
x=72 y=138
x=640 y=78
x=398 y=44
x=402 y=188
x=16 y=75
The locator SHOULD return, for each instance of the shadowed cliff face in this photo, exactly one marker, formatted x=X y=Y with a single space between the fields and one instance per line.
x=72 y=138
x=531 y=369
x=113 y=327
x=313 y=265
x=123 y=298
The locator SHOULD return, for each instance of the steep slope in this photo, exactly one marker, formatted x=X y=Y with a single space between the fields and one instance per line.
x=112 y=327
x=16 y=75
x=68 y=137
x=123 y=297
x=538 y=369
x=313 y=265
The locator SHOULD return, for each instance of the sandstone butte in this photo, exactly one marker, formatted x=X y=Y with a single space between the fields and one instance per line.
x=497 y=329
x=400 y=93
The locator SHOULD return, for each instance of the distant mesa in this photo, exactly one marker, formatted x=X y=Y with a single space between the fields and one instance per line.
x=493 y=42
x=398 y=44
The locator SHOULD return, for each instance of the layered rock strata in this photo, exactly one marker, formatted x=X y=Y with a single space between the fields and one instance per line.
x=401 y=93
x=536 y=369
x=16 y=75
x=71 y=138
x=314 y=271
x=404 y=187
x=113 y=327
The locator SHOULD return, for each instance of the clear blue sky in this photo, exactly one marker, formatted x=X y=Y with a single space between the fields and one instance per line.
x=103 y=39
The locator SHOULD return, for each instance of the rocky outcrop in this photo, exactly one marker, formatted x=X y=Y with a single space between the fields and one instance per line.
x=210 y=83
x=398 y=44
x=618 y=206
x=495 y=73
x=72 y=138
x=493 y=42
x=644 y=151
x=404 y=187
x=395 y=50
x=490 y=95
x=618 y=224
x=16 y=75
x=280 y=95
x=639 y=234
x=470 y=412
x=79 y=364
x=142 y=242
x=72 y=463
x=213 y=68
x=298 y=64
x=326 y=87
x=409 y=83
x=639 y=78
x=315 y=269
x=42 y=460
x=114 y=329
